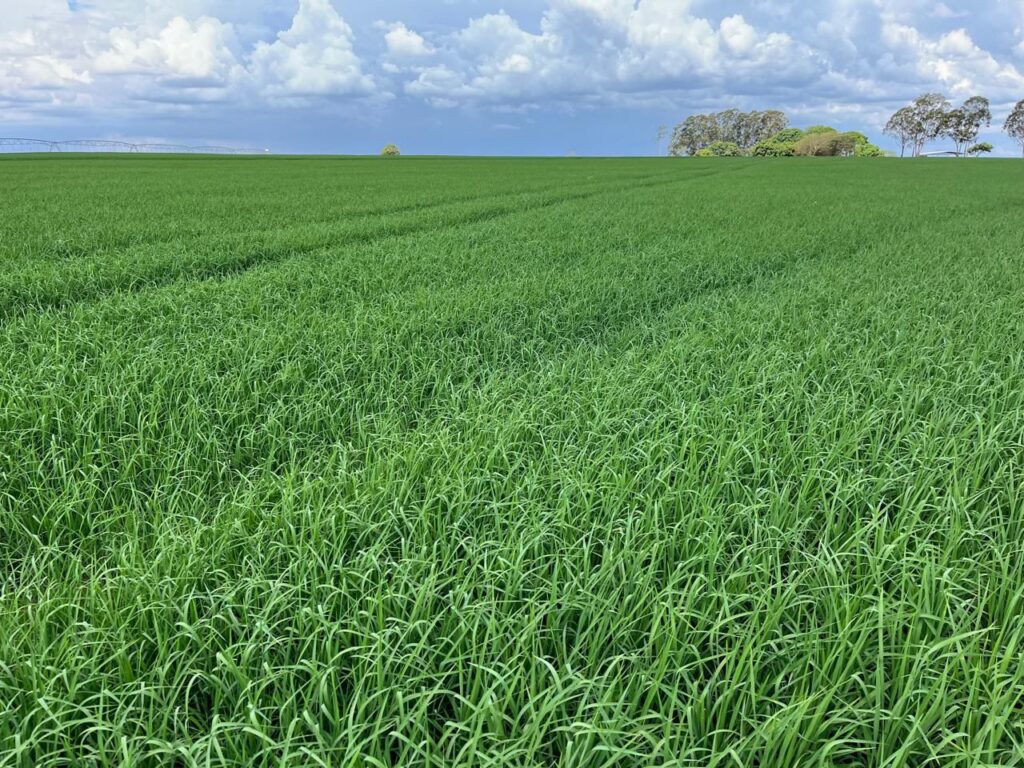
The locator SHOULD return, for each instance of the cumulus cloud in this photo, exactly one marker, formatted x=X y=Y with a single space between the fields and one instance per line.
x=314 y=57
x=115 y=50
x=611 y=51
x=39 y=64
x=403 y=42
x=952 y=61
x=199 y=53
x=845 y=57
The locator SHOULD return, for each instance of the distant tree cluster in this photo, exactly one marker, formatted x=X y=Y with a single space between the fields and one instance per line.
x=931 y=117
x=720 y=132
x=817 y=141
x=763 y=134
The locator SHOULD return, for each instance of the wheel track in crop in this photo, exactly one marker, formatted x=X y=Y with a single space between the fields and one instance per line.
x=20 y=300
x=604 y=329
x=125 y=245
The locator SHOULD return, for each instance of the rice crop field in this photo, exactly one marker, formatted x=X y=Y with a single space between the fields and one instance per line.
x=488 y=462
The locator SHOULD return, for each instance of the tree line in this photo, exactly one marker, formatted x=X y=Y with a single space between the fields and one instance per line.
x=928 y=118
x=733 y=133
x=931 y=117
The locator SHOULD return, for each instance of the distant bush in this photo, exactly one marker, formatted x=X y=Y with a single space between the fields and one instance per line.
x=821 y=144
x=772 y=148
x=390 y=151
x=764 y=134
x=782 y=144
x=831 y=143
x=867 y=149
x=721 y=149
x=982 y=148
x=788 y=136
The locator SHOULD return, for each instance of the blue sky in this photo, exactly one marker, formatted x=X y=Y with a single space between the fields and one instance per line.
x=544 y=77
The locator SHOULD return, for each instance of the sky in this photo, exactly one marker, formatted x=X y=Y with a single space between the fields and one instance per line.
x=516 y=77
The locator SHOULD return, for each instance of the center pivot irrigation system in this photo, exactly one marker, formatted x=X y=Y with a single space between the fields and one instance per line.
x=102 y=145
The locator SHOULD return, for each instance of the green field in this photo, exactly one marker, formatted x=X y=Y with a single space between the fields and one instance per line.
x=534 y=463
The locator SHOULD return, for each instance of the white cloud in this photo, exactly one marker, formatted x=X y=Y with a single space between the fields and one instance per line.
x=663 y=38
x=738 y=35
x=858 y=58
x=952 y=61
x=38 y=70
x=516 y=63
x=200 y=53
x=116 y=52
x=402 y=41
x=608 y=50
x=314 y=57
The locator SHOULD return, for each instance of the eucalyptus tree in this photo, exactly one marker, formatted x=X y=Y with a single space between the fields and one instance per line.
x=744 y=129
x=1014 y=125
x=923 y=120
x=902 y=126
x=930 y=111
x=964 y=123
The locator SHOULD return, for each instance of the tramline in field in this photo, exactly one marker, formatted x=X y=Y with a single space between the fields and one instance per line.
x=439 y=462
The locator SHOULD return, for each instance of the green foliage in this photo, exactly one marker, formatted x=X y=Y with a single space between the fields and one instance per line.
x=771 y=148
x=903 y=126
x=391 y=151
x=963 y=124
x=788 y=136
x=1014 y=125
x=817 y=141
x=981 y=148
x=722 y=149
x=835 y=144
x=867 y=149
x=695 y=136
x=862 y=146
x=813 y=145
x=744 y=129
x=818 y=144
x=931 y=110
x=930 y=117
x=578 y=463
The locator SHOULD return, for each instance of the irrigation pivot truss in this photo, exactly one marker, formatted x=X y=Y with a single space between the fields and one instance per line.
x=84 y=145
x=15 y=144
x=31 y=145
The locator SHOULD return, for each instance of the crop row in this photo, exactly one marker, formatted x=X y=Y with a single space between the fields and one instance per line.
x=725 y=470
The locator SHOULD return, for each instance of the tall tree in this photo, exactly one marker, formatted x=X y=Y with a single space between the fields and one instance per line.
x=745 y=129
x=693 y=134
x=930 y=110
x=661 y=136
x=1015 y=124
x=902 y=127
x=964 y=123
x=765 y=125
